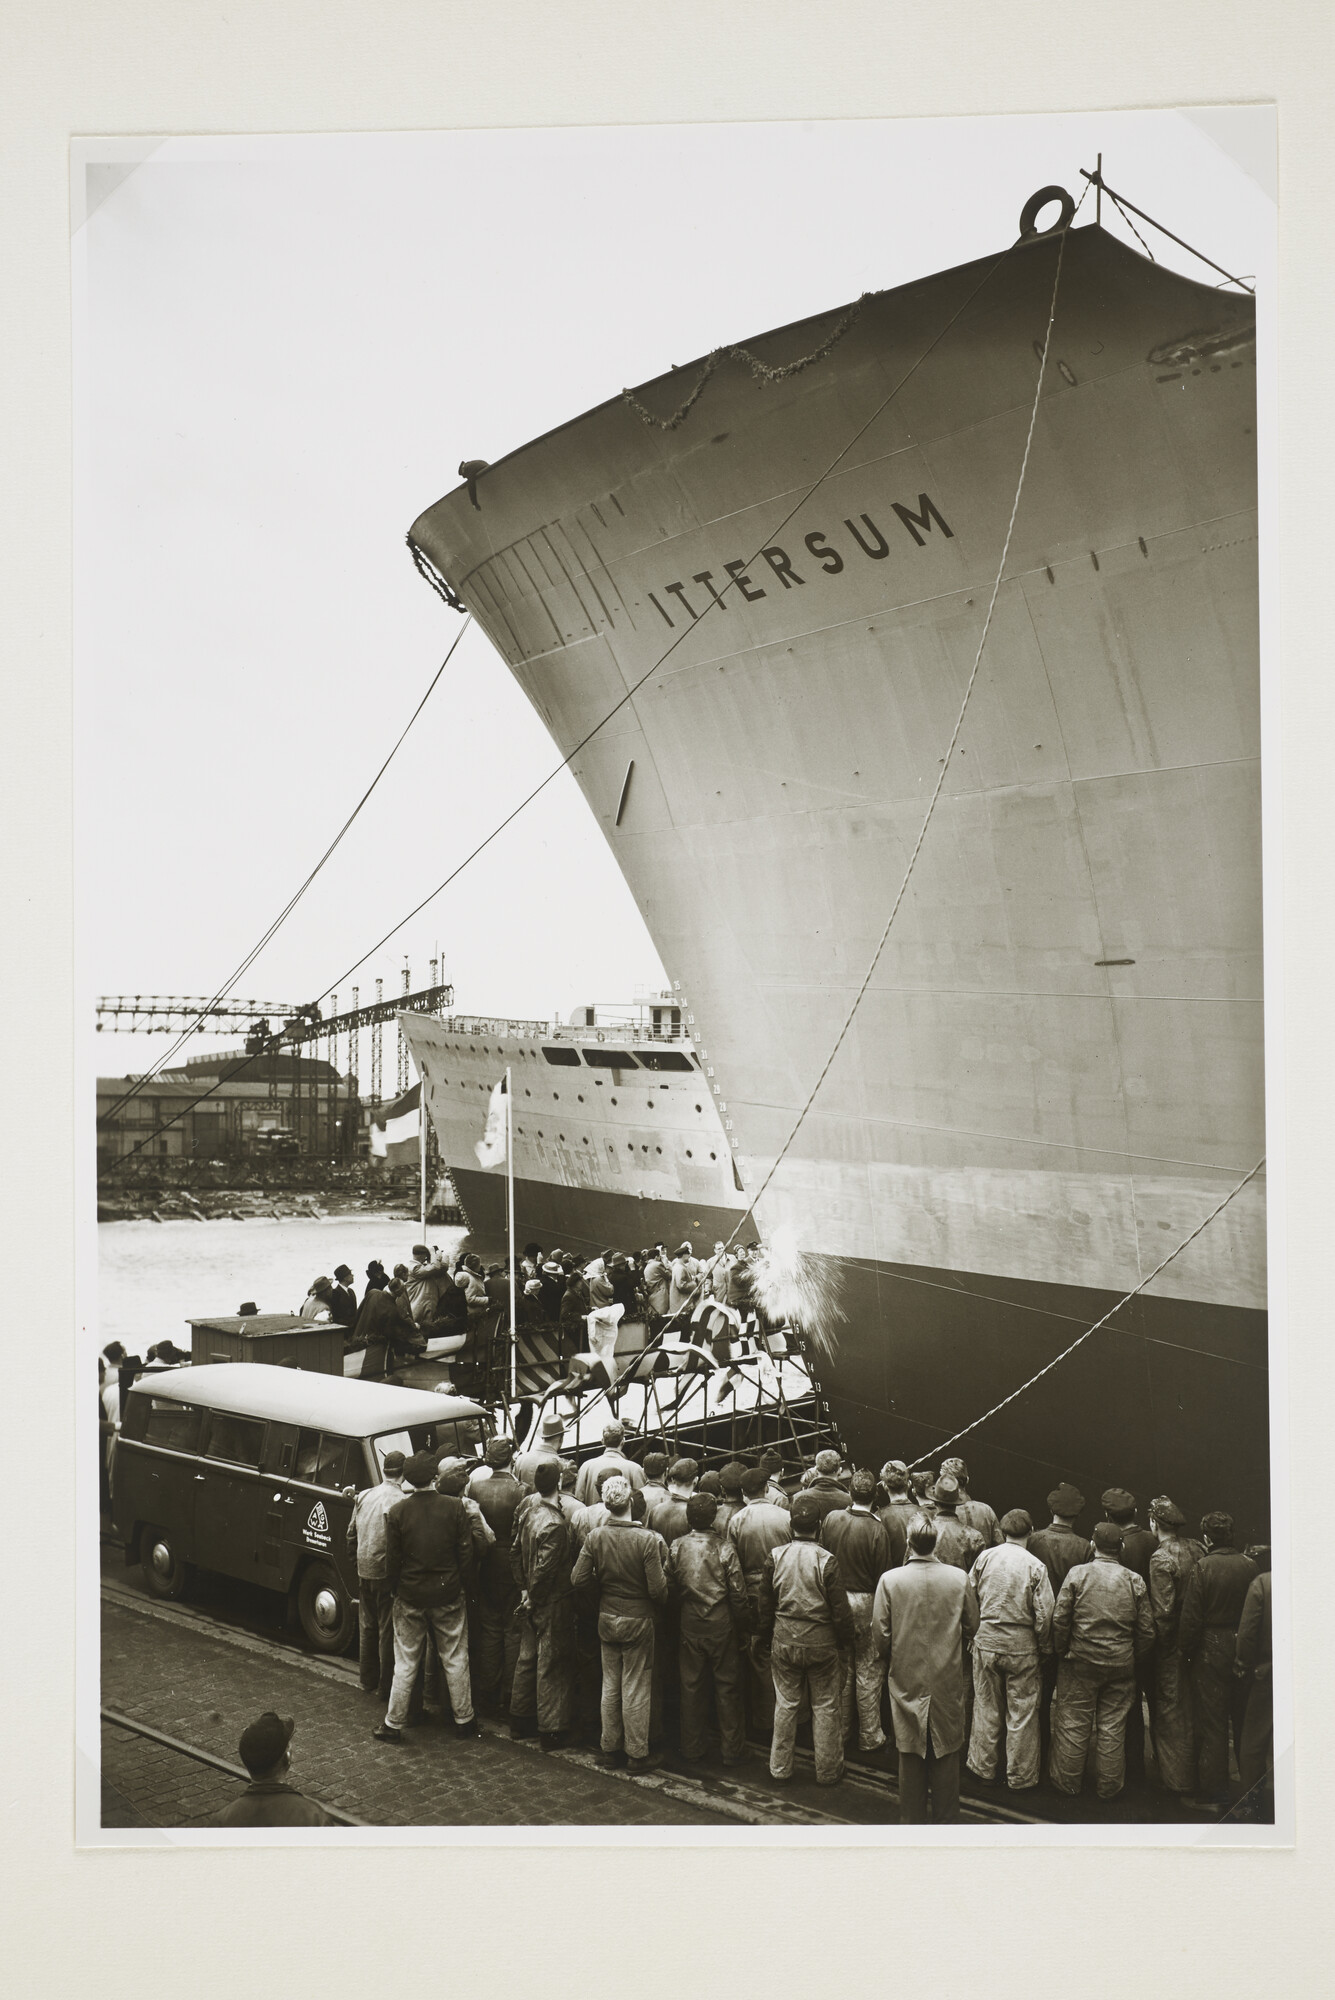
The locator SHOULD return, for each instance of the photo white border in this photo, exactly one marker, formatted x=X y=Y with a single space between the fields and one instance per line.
x=252 y=150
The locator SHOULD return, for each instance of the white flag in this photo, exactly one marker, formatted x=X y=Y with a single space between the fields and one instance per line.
x=490 y=1148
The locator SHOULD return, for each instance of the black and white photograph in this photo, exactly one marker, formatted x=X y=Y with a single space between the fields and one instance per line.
x=725 y=677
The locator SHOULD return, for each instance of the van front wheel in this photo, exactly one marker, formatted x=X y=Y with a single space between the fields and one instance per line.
x=164 y=1570
x=326 y=1613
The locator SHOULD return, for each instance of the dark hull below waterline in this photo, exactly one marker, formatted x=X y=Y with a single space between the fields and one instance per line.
x=588 y=1220
x=1170 y=1397
x=1180 y=1387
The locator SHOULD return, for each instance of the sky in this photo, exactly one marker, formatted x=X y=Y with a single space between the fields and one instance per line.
x=284 y=348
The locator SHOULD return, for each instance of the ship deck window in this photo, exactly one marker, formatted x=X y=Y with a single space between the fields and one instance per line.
x=664 y=1059
x=609 y=1059
x=566 y=1058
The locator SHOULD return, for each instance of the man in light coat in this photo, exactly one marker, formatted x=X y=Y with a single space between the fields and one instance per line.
x=921 y=1619
x=1012 y=1595
x=375 y=1603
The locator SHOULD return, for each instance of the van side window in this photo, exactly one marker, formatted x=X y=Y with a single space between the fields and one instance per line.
x=323 y=1460
x=174 y=1426
x=308 y=1456
x=240 y=1440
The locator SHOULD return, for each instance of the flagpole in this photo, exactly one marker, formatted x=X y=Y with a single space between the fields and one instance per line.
x=510 y=1224
x=421 y=1141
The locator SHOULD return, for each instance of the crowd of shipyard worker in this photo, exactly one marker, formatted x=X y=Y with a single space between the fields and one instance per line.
x=705 y=1304
x=641 y=1604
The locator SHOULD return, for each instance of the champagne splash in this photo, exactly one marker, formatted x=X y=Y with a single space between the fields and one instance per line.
x=795 y=1288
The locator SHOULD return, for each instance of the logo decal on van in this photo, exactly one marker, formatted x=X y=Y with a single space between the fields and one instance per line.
x=317 y=1526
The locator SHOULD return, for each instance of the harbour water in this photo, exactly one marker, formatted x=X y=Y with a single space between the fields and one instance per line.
x=154 y=1276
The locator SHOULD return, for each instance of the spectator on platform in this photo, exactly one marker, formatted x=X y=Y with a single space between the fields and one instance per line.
x=343 y=1303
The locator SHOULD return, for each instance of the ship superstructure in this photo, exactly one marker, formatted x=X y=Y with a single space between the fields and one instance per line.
x=617 y=1142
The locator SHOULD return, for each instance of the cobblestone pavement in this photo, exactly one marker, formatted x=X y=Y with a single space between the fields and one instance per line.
x=186 y=1682
x=569 y=1788
x=146 y=1784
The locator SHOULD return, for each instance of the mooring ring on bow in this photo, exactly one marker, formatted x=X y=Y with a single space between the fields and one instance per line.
x=1029 y=214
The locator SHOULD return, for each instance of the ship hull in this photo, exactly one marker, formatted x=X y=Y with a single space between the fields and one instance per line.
x=588 y=1220
x=1053 y=1075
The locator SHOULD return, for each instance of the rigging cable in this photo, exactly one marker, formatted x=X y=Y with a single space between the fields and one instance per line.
x=1112 y=1312
x=945 y=761
x=1096 y=180
x=223 y=991
x=663 y=658
x=629 y=695
x=954 y=739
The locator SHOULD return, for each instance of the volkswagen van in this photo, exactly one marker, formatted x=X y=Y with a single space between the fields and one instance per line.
x=249 y=1470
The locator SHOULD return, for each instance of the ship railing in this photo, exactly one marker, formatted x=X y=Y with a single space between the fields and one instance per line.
x=623 y=1029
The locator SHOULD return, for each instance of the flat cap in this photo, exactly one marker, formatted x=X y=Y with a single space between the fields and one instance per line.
x=420 y=1469
x=1066 y=1500
x=1167 y=1513
x=731 y=1476
x=394 y=1462
x=754 y=1482
x=500 y=1451
x=265 y=1741
x=701 y=1509
x=1016 y=1522
x=806 y=1511
x=1118 y=1501
x=1107 y=1536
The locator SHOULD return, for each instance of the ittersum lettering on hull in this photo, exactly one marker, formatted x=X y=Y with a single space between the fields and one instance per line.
x=862 y=539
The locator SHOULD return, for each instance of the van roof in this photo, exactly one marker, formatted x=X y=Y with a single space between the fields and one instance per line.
x=301 y=1396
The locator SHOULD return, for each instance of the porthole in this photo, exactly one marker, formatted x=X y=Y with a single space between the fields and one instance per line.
x=556 y=1097
x=689 y=1154
x=658 y=1149
x=614 y=1100
x=630 y=1149
x=713 y=1156
x=697 y=1107
x=561 y=1136
x=581 y=1097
